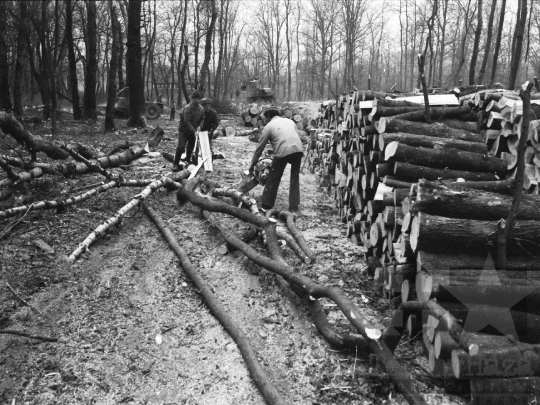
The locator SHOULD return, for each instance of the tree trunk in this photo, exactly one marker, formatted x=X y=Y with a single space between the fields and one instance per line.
x=5 y=98
x=20 y=61
x=436 y=113
x=134 y=65
x=393 y=124
x=208 y=47
x=90 y=77
x=452 y=159
x=476 y=45
x=74 y=85
x=182 y=49
x=518 y=35
x=113 y=68
x=465 y=203
x=489 y=39
x=498 y=43
x=506 y=186
x=10 y=126
x=431 y=142
x=410 y=172
x=434 y=233
x=512 y=361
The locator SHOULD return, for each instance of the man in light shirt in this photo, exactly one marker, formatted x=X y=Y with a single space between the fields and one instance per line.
x=287 y=146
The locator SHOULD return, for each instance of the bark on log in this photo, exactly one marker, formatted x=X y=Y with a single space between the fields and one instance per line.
x=71 y=168
x=289 y=218
x=10 y=126
x=382 y=111
x=434 y=233
x=409 y=172
x=437 y=113
x=269 y=392
x=505 y=391
x=116 y=218
x=400 y=378
x=452 y=159
x=455 y=202
x=501 y=186
x=61 y=203
x=464 y=125
x=28 y=335
x=437 y=130
x=431 y=142
x=427 y=261
x=393 y=182
x=513 y=361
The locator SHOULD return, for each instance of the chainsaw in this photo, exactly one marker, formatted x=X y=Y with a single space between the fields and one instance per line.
x=260 y=174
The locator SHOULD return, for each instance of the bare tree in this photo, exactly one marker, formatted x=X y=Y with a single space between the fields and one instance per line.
x=113 y=69
x=20 y=61
x=476 y=45
x=489 y=39
x=74 y=85
x=90 y=76
x=208 y=45
x=498 y=42
x=134 y=64
x=518 y=38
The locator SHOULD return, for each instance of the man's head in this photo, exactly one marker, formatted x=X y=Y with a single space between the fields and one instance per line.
x=196 y=97
x=206 y=102
x=270 y=112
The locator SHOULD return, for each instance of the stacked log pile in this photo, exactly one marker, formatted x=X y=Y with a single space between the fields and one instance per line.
x=423 y=201
x=252 y=116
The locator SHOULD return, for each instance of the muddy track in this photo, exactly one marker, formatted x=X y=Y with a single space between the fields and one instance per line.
x=133 y=329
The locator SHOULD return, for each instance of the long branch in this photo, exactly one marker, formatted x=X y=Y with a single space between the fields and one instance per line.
x=401 y=378
x=83 y=246
x=28 y=335
x=269 y=392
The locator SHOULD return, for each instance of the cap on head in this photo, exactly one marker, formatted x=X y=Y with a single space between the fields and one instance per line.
x=196 y=94
x=206 y=101
x=271 y=111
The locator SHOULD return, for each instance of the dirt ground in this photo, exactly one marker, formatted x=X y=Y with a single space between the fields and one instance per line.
x=133 y=329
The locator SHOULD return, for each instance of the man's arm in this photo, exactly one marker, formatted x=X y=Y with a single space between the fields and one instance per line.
x=260 y=148
x=215 y=123
x=188 y=117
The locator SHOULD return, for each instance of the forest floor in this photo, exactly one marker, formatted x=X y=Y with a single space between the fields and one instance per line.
x=132 y=327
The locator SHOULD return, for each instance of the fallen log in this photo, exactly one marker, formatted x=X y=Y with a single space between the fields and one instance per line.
x=437 y=113
x=10 y=126
x=501 y=186
x=269 y=392
x=117 y=217
x=400 y=378
x=442 y=261
x=464 y=125
x=455 y=202
x=435 y=233
x=28 y=335
x=409 y=172
x=70 y=168
x=92 y=166
x=60 y=204
x=289 y=218
x=438 y=130
x=505 y=391
x=431 y=142
x=452 y=159
x=510 y=361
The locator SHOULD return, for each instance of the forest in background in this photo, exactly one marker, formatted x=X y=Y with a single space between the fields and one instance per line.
x=303 y=49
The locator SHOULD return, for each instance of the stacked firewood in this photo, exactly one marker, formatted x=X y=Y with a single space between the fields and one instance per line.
x=424 y=201
x=252 y=116
x=499 y=121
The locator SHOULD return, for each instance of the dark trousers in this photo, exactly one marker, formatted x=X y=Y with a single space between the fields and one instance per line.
x=173 y=111
x=185 y=142
x=274 y=178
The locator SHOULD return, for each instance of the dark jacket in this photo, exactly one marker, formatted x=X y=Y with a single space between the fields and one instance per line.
x=191 y=116
x=211 y=120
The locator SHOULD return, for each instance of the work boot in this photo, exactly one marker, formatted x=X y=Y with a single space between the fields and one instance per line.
x=176 y=166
